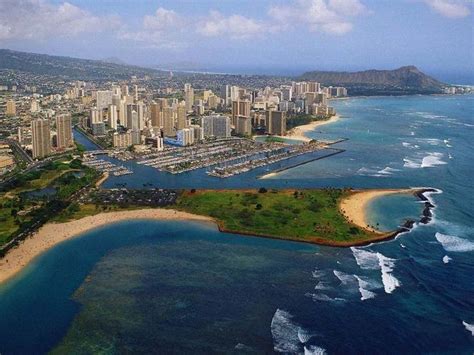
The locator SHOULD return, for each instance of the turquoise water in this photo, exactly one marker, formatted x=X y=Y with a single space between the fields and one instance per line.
x=182 y=287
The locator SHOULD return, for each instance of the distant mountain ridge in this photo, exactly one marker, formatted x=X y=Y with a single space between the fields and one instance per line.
x=68 y=67
x=404 y=80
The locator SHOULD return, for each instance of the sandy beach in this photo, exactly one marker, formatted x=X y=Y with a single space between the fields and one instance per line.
x=299 y=132
x=51 y=234
x=354 y=207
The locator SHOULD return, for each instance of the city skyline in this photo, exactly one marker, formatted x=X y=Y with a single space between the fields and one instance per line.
x=435 y=35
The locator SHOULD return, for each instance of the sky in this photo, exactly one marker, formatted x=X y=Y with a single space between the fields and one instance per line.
x=267 y=36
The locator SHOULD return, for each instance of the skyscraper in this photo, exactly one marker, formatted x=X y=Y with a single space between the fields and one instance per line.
x=103 y=99
x=95 y=116
x=63 y=131
x=244 y=125
x=11 y=108
x=112 y=116
x=181 y=121
x=240 y=109
x=41 y=138
x=276 y=122
x=169 y=126
x=216 y=126
x=156 y=114
x=189 y=97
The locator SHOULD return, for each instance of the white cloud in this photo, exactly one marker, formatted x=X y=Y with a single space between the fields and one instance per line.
x=449 y=8
x=234 y=26
x=330 y=16
x=163 y=20
x=161 y=30
x=347 y=7
x=38 y=19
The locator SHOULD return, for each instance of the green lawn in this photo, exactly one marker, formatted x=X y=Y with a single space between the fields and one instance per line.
x=304 y=215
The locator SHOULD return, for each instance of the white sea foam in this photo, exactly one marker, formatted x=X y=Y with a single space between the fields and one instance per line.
x=390 y=282
x=285 y=333
x=387 y=171
x=322 y=286
x=432 y=159
x=446 y=259
x=364 y=289
x=412 y=133
x=346 y=279
x=322 y=297
x=406 y=144
x=317 y=273
x=431 y=141
x=454 y=244
x=469 y=327
x=314 y=350
x=304 y=336
x=365 y=259
x=411 y=164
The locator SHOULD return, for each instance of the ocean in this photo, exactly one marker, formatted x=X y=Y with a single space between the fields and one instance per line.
x=184 y=287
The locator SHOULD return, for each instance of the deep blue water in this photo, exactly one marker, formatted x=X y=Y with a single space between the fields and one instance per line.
x=145 y=286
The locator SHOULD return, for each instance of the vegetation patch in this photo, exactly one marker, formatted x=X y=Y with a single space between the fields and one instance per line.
x=303 y=215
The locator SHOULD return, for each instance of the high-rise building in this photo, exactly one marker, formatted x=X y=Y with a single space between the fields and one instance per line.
x=198 y=132
x=244 y=126
x=276 y=122
x=189 y=97
x=11 y=108
x=63 y=131
x=213 y=101
x=216 y=126
x=156 y=116
x=112 y=116
x=35 y=106
x=286 y=93
x=124 y=90
x=103 y=99
x=314 y=86
x=185 y=136
x=139 y=108
x=135 y=92
x=122 y=140
x=169 y=118
x=95 y=116
x=181 y=118
x=41 y=138
x=240 y=109
x=98 y=129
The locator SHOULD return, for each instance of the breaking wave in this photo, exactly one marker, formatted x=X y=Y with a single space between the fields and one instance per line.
x=390 y=282
x=290 y=337
x=429 y=161
x=365 y=259
x=364 y=289
x=469 y=327
x=454 y=244
x=446 y=259
x=432 y=159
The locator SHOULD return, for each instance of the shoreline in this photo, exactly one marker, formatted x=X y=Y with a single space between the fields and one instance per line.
x=52 y=234
x=353 y=208
x=299 y=132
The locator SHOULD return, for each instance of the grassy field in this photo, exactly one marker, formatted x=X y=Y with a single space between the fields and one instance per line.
x=78 y=211
x=303 y=215
x=17 y=209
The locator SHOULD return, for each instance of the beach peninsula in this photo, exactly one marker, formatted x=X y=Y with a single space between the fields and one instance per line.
x=332 y=217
